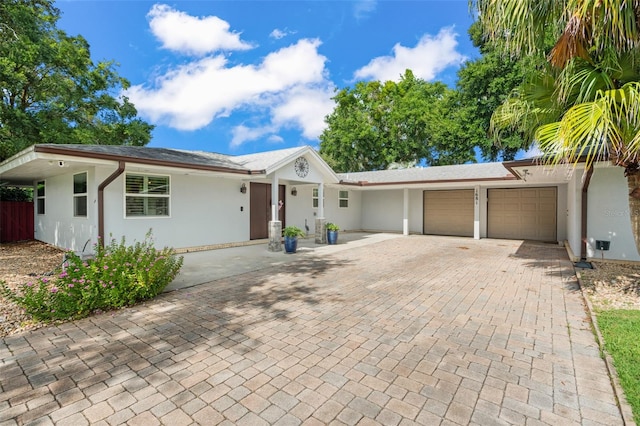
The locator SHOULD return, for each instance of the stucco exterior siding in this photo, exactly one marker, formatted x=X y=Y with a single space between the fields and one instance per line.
x=347 y=218
x=203 y=211
x=609 y=215
x=58 y=226
x=301 y=207
x=382 y=210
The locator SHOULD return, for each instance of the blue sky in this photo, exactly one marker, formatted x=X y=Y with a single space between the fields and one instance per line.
x=246 y=76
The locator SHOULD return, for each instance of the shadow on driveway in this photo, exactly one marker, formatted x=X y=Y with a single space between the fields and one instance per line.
x=417 y=329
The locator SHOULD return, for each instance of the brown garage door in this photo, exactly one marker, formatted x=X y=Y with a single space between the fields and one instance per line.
x=448 y=212
x=522 y=213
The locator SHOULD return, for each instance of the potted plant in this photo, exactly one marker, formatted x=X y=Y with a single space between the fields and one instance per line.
x=291 y=234
x=332 y=233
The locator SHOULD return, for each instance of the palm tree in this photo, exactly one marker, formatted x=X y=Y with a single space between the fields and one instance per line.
x=584 y=104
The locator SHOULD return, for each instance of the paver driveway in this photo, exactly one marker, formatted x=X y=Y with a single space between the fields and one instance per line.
x=431 y=330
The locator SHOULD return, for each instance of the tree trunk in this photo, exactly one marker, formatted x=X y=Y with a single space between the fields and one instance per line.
x=633 y=181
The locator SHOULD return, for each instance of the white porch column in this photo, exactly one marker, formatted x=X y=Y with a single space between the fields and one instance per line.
x=321 y=200
x=274 y=198
x=405 y=212
x=275 y=226
x=476 y=213
x=321 y=232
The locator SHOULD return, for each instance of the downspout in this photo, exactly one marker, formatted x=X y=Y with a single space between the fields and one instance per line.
x=101 y=188
x=583 y=220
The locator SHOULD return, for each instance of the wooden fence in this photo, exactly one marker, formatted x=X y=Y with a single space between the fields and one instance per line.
x=16 y=221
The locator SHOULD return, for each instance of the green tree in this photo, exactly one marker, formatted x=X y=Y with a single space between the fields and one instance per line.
x=483 y=85
x=375 y=125
x=584 y=102
x=52 y=92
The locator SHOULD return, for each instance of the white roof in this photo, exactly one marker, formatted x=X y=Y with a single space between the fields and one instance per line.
x=461 y=172
x=265 y=160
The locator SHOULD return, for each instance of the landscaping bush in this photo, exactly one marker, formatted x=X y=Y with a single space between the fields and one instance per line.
x=119 y=275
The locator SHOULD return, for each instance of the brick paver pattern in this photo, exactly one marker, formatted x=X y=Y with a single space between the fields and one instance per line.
x=425 y=330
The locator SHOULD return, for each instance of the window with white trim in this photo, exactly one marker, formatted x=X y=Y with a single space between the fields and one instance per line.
x=80 y=194
x=146 y=195
x=343 y=198
x=40 y=197
x=314 y=196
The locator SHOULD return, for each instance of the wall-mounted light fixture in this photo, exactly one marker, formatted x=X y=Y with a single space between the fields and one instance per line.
x=524 y=174
x=243 y=188
x=294 y=191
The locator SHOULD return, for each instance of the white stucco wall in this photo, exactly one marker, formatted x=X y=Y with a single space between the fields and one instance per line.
x=609 y=216
x=382 y=210
x=300 y=208
x=347 y=218
x=58 y=226
x=203 y=211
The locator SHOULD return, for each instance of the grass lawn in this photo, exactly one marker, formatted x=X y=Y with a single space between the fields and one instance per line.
x=621 y=332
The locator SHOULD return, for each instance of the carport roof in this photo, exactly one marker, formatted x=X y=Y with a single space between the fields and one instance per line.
x=455 y=173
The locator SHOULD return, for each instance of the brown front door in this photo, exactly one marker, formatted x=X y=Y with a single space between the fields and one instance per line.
x=260 y=209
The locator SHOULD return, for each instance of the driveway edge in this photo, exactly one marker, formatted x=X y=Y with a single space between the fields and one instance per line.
x=623 y=405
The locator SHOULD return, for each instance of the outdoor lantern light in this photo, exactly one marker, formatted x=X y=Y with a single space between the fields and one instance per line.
x=243 y=188
x=294 y=191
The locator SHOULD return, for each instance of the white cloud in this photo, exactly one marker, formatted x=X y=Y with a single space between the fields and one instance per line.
x=303 y=107
x=362 y=8
x=278 y=34
x=429 y=57
x=242 y=134
x=288 y=85
x=306 y=107
x=192 y=35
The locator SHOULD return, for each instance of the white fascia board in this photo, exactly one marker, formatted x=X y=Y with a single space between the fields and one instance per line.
x=18 y=160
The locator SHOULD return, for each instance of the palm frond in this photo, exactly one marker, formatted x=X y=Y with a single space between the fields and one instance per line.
x=607 y=126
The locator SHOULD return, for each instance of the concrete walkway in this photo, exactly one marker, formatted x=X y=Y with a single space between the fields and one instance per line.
x=426 y=330
x=205 y=266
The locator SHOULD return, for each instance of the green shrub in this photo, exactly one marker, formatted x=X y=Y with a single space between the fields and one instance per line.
x=119 y=275
x=332 y=227
x=9 y=193
x=292 y=231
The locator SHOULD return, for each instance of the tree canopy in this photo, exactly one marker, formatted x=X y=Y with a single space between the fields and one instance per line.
x=585 y=102
x=376 y=124
x=483 y=85
x=52 y=92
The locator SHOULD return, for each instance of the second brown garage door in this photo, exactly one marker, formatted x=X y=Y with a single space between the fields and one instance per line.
x=449 y=212
x=523 y=213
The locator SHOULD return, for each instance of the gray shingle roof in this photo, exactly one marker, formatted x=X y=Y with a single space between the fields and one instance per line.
x=264 y=160
x=148 y=153
x=461 y=172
